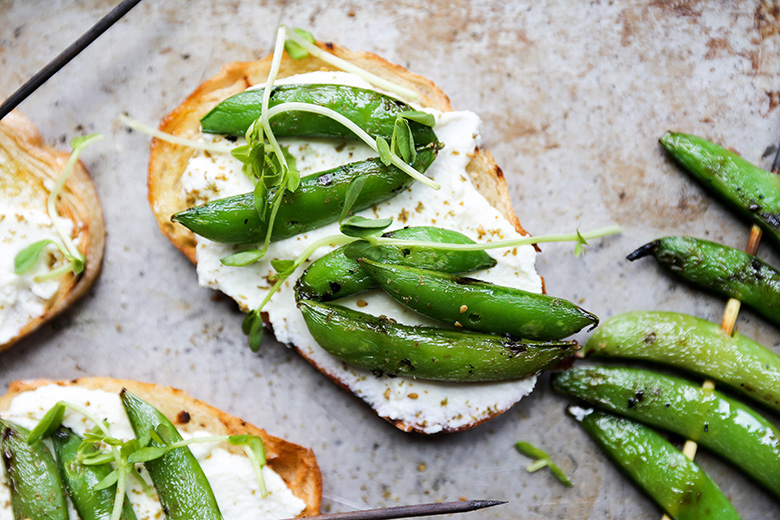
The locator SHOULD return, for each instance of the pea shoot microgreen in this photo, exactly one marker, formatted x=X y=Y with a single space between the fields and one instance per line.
x=294 y=50
x=75 y=261
x=100 y=447
x=541 y=460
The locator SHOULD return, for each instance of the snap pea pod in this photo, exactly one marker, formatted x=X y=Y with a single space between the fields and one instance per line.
x=81 y=480
x=477 y=305
x=317 y=202
x=721 y=269
x=691 y=344
x=676 y=483
x=751 y=191
x=184 y=491
x=719 y=423
x=373 y=112
x=381 y=344
x=335 y=275
x=35 y=484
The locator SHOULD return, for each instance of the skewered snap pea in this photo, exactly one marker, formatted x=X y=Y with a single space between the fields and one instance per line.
x=35 y=484
x=373 y=112
x=691 y=344
x=184 y=491
x=335 y=275
x=317 y=202
x=721 y=269
x=477 y=305
x=677 y=484
x=752 y=192
x=381 y=344
x=81 y=480
x=724 y=425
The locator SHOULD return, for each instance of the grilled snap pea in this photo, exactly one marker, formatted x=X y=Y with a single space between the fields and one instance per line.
x=184 y=491
x=335 y=275
x=373 y=112
x=382 y=345
x=752 y=192
x=317 y=202
x=691 y=344
x=676 y=484
x=719 y=423
x=721 y=269
x=477 y=305
x=81 y=480
x=35 y=484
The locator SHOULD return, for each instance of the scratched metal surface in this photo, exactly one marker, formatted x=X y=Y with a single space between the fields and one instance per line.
x=573 y=97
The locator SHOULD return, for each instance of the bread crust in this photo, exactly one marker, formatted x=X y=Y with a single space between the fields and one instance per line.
x=167 y=161
x=296 y=465
x=79 y=202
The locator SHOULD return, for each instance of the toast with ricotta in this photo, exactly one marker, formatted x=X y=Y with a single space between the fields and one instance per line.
x=28 y=170
x=296 y=465
x=169 y=164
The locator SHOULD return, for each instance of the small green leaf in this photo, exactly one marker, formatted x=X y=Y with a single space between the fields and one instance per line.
x=147 y=454
x=293 y=179
x=243 y=258
x=26 y=258
x=404 y=141
x=579 y=248
x=560 y=475
x=162 y=434
x=283 y=267
x=260 y=198
x=424 y=118
x=254 y=442
x=384 y=151
x=242 y=153
x=295 y=51
x=361 y=227
x=97 y=458
x=129 y=448
x=82 y=141
x=353 y=191
x=542 y=460
x=358 y=249
x=256 y=334
x=529 y=450
x=246 y=325
x=48 y=423
x=77 y=264
x=108 y=481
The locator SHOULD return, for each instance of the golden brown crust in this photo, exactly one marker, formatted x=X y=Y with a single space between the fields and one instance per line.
x=296 y=465
x=167 y=162
x=24 y=146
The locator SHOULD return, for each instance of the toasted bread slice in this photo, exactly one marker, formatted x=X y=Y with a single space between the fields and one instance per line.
x=295 y=464
x=26 y=163
x=168 y=162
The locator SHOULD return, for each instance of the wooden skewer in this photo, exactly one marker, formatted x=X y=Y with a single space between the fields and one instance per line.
x=65 y=56
x=387 y=513
x=730 y=316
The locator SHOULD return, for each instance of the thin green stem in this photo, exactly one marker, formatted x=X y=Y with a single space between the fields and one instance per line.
x=324 y=111
x=265 y=116
x=54 y=273
x=170 y=138
x=571 y=237
x=537 y=465
x=258 y=469
x=349 y=67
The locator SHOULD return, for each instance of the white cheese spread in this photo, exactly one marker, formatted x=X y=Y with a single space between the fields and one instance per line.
x=231 y=476
x=426 y=406
x=24 y=221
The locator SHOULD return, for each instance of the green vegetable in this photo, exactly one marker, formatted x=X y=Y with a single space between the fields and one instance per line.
x=719 y=423
x=336 y=275
x=676 y=484
x=184 y=491
x=750 y=191
x=373 y=112
x=382 y=345
x=721 y=269
x=35 y=484
x=541 y=460
x=317 y=201
x=82 y=480
x=694 y=345
x=477 y=305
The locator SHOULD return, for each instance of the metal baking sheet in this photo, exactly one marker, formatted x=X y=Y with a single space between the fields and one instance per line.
x=573 y=96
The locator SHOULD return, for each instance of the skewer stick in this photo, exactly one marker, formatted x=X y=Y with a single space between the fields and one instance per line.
x=65 y=56
x=730 y=316
x=387 y=513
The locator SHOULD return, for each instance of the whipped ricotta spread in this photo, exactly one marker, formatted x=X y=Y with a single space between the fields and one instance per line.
x=24 y=221
x=231 y=476
x=424 y=406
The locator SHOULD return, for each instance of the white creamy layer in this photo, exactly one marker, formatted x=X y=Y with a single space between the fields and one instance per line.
x=24 y=221
x=231 y=476
x=423 y=405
